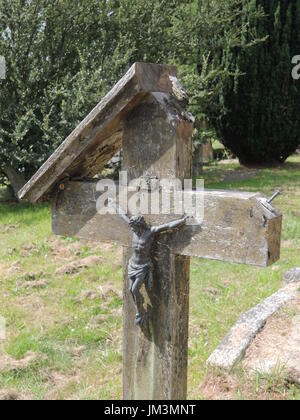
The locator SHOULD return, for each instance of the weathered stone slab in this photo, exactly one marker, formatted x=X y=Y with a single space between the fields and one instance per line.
x=233 y=347
x=292 y=276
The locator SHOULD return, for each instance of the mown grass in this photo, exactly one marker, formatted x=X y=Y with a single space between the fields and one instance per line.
x=85 y=362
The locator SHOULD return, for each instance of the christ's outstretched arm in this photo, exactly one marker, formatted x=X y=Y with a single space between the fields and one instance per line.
x=119 y=211
x=125 y=218
x=169 y=226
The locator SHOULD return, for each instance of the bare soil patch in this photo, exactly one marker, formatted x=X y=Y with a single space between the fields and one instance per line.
x=38 y=285
x=12 y=269
x=8 y=364
x=77 y=265
x=277 y=348
x=12 y=395
x=239 y=175
x=106 y=292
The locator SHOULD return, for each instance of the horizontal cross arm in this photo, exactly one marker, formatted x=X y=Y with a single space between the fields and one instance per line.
x=237 y=227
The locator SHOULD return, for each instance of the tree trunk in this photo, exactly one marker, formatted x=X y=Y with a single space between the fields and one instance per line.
x=16 y=179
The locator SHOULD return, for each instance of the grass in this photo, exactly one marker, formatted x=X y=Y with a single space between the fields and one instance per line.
x=82 y=361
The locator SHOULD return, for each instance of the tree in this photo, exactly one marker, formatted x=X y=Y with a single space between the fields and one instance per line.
x=205 y=32
x=62 y=57
x=260 y=119
x=52 y=76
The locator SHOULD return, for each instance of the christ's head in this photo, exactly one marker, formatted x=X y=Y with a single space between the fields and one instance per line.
x=137 y=223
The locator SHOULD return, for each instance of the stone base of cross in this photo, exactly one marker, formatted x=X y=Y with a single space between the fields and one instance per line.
x=155 y=132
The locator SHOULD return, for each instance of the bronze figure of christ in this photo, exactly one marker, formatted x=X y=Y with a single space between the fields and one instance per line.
x=140 y=268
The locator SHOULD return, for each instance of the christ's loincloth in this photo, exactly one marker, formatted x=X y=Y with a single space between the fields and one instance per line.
x=141 y=272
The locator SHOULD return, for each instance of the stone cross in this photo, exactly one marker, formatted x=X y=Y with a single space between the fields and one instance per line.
x=145 y=114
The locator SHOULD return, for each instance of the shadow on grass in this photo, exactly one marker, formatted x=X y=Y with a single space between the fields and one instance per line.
x=261 y=179
x=12 y=211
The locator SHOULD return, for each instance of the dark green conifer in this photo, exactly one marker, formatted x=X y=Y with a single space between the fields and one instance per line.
x=260 y=121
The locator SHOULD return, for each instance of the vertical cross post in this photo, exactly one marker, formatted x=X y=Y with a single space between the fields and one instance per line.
x=157 y=143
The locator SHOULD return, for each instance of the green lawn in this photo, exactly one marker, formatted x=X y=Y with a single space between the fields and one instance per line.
x=73 y=321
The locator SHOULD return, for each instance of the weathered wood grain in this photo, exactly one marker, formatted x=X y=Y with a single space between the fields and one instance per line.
x=96 y=134
x=236 y=227
x=155 y=355
x=157 y=140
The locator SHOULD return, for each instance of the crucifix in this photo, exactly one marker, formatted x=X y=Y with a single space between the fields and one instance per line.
x=140 y=267
x=145 y=115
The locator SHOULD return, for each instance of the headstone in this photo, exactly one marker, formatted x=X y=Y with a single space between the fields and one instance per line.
x=203 y=153
x=207 y=152
x=197 y=161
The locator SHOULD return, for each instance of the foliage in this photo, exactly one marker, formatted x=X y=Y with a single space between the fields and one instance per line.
x=259 y=120
x=209 y=31
x=63 y=56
